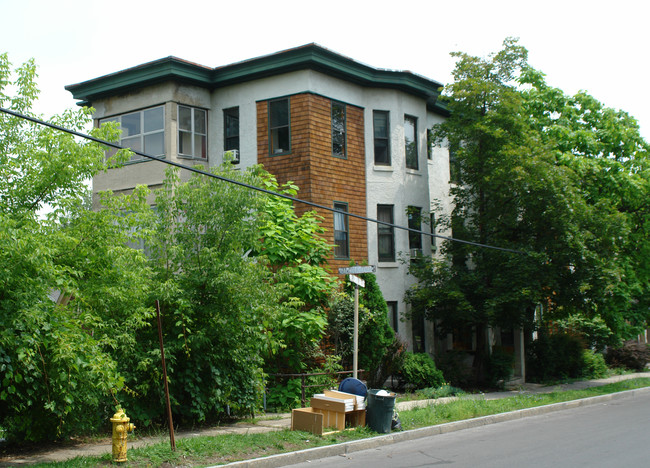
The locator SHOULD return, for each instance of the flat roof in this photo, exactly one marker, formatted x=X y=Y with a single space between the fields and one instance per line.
x=309 y=56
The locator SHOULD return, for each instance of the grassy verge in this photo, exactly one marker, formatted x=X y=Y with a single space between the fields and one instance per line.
x=214 y=450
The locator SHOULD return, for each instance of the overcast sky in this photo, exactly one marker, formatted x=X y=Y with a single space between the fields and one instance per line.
x=598 y=46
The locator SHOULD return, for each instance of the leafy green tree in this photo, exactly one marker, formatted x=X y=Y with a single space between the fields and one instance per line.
x=65 y=300
x=559 y=179
x=217 y=302
x=377 y=340
x=297 y=254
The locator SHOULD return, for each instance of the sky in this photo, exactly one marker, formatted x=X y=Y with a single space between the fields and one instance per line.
x=597 y=46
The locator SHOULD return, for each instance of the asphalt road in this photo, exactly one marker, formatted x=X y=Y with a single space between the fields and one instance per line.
x=612 y=434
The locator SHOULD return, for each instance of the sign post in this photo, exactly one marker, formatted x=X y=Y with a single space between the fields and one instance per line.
x=358 y=282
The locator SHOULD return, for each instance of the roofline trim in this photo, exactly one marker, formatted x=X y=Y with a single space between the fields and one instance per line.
x=310 y=56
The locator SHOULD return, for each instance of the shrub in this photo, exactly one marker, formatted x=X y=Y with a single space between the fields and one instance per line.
x=456 y=366
x=631 y=355
x=499 y=366
x=419 y=371
x=557 y=356
x=445 y=390
x=594 y=365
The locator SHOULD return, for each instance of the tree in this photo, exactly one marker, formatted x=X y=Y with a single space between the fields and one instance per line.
x=296 y=253
x=549 y=176
x=57 y=372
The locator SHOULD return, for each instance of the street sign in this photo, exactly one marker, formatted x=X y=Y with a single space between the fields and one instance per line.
x=356 y=280
x=357 y=270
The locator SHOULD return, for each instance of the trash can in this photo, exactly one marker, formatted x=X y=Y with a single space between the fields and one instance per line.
x=379 y=410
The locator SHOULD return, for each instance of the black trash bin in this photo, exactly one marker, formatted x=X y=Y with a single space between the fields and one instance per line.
x=379 y=411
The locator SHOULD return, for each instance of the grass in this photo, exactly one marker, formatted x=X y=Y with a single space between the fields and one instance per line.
x=221 y=449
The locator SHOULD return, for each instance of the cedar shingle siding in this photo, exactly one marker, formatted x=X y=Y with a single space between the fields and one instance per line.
x=321 y=177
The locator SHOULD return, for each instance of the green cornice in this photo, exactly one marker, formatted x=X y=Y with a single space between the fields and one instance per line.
x=310 y=56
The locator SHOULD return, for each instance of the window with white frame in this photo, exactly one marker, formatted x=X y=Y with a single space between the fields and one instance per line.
x=142 y=131
x=192 y=132
x=341 y=231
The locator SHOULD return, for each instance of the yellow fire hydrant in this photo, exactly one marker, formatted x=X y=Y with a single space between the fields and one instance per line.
x=121 y=427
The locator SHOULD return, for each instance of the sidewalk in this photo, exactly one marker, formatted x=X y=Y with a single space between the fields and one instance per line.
x=277 y=422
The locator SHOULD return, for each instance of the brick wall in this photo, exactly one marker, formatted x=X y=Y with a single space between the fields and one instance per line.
x=321 y=177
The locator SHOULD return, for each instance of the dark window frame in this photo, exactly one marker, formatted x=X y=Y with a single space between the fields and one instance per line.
x=384 y=141
x=345 y=254
x=414 y=217
x=386 y=232
x=273 y=128
x=339 y=134
x=231 y=141
x=393 y=315
x=411 y=157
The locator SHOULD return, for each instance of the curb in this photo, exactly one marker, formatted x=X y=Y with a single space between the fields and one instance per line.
x=291 y=458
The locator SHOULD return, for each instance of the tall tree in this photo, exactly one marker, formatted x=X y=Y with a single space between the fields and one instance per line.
x=533 y=172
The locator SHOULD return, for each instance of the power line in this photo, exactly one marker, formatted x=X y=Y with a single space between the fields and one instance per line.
x=248 y=186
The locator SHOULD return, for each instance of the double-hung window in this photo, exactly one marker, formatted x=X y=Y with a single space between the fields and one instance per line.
x=192 y=132
x=338 y=129
x=231 y=132
x=411 y=142
x=385 y=234
x=142 y=131
x=341 y=231
x=380 y=124
x=279 y=127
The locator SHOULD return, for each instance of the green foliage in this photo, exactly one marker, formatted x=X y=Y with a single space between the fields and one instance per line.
x=594 y=331
x=217 y=304
x=378 y=349
x=561 y=179
x=594 y=365
x=70 y=290
x=631 y=355
x=456 y=367
x=554 y=356
x=295 y=252
x=284 y=396
x=419 y=371
x=500 y=366
x=443 y=391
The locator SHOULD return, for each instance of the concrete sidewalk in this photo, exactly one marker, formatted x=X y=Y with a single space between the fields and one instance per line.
x=283 y=421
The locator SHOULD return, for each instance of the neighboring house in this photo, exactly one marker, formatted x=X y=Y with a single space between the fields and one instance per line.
x=351 y=136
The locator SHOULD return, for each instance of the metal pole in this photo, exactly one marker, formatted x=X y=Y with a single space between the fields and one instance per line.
x=162 y=356
x=355 y=358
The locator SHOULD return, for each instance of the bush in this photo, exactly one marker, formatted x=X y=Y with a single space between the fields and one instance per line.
x=456 y=366
x=557 y=356
x=419 y=371
x=594 y=365
x=499 y=366
x=631 y=355
x=439 y=392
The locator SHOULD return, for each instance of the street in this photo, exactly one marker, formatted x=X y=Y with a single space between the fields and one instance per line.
x=603 y=435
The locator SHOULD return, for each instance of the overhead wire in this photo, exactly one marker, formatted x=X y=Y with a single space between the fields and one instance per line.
x=251 y=187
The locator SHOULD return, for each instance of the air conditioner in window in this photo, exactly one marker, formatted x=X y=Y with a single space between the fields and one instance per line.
x=233 y=155
x=416 y=253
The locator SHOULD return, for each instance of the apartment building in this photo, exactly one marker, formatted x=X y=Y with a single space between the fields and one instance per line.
x=351 y=136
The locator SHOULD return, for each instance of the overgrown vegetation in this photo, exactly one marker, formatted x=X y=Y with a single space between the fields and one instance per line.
x=563 y=182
